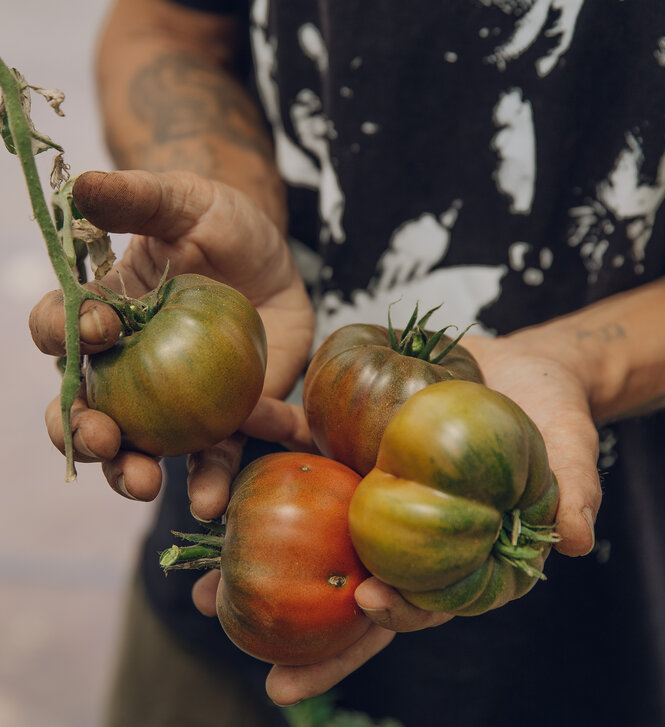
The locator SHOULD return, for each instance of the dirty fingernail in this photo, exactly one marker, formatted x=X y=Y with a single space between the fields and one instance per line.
x=90 y=327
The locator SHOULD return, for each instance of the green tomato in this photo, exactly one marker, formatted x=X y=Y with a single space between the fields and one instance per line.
x=190 y=377
x=458 y=512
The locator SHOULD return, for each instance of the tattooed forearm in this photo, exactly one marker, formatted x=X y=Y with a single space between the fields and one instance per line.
x=179 y=98
x=182 y=113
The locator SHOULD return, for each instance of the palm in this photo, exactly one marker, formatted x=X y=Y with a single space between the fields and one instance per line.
x=537 y=377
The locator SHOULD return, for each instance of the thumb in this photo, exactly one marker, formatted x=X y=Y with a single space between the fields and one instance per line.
x=572 y=447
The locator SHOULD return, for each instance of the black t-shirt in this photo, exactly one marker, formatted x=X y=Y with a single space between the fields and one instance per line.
x=505 y=158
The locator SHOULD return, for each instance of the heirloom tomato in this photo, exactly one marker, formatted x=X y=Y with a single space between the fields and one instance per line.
x=458 y=512
x=190 y=376
x=289 y=570
x=363 y=373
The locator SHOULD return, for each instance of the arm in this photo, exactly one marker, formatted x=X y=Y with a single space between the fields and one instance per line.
x=601 y=363
x=172 y=97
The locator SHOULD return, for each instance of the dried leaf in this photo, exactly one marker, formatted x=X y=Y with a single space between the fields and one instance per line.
x=60 y=172
x=54 y=97
x=98 y=243
x=40 y=142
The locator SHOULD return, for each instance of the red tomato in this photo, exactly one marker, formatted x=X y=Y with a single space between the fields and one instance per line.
x=361 y=375
x=289 y=570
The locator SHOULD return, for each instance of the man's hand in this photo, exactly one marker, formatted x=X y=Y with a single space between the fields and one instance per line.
x=534 y=368
x=546 y=377
x=200 y=226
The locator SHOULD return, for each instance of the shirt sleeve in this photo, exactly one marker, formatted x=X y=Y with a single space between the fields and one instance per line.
x=219 y=7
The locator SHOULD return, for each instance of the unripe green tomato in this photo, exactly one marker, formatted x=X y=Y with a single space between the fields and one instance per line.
x=459 y=467
x=190 y=377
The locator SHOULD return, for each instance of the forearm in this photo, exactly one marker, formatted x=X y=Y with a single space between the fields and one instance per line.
x=171 y=100
x=617 y=346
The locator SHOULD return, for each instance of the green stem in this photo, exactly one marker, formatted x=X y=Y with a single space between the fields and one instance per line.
x=204 y=554
x=519 y=542
x=189 y=557
x=74 y=295
x=62 y=254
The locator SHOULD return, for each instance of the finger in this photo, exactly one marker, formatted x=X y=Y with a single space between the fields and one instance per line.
x=162 y=205
x=573 y=459
x=384 y=605
x=211 y=472
x=191 y=214
x=288 y=685
x=278 y=421
x=204 y=593
x=99 y=325
x=134 y=475
x=96 y=436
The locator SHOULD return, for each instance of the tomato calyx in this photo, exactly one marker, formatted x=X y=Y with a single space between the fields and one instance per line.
x=134 y=313
x=204 y=553
x=518 y=542
x=416 y=342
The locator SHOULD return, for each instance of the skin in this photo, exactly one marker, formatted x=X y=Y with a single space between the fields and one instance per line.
x=222 y=214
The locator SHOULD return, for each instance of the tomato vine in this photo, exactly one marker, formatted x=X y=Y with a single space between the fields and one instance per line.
x=61 y=231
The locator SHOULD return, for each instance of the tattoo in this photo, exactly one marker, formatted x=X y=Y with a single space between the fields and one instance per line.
x=604 y=334
x=182 y=99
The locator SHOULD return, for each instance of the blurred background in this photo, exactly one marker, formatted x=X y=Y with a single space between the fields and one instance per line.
x=66 y=549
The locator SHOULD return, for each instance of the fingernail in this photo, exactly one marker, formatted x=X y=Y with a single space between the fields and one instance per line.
x=286 y=706
x=83 y=447
x=90 y=327
x=122 y=489
x=378 y=615
x=197 y=517
x=587 y=513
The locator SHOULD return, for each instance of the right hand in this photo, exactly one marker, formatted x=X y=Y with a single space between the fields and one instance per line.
x=198 y=226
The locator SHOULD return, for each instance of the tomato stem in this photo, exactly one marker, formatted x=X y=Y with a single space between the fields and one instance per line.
x=519 y=542
x=416 y=342
x=204 y=554
x=21 y=138
x=194 y=557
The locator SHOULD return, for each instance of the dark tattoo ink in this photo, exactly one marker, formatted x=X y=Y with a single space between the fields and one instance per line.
x=180 y=97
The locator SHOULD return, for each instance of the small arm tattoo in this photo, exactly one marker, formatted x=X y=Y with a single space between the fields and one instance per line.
x=603 y=334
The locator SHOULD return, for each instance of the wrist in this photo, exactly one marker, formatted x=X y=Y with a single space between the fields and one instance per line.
x=613 y=350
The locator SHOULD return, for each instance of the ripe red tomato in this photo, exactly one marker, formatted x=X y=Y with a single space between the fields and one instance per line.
x=362 y=374
x=190 y=376
x=288 y=568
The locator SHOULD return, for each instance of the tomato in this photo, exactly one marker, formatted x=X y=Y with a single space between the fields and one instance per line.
x=190 y=376
x=458 y=512
x=362 y=374
x=289 y=570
